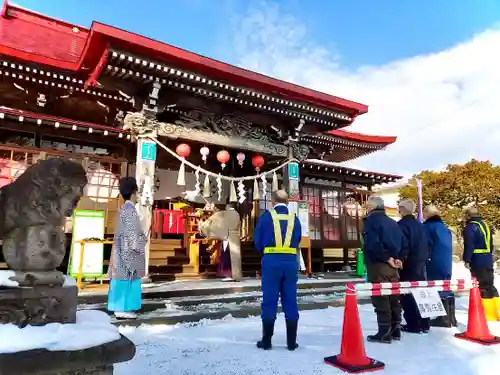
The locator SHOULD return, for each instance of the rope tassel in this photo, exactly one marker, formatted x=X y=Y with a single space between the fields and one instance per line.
x=256 y=193
x=206 y=187
x=181 y=177
x=274 y=185
x=232 y=194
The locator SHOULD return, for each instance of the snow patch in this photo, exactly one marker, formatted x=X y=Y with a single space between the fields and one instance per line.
x=69 y=281
x=459 y=271
x=5 y=279
x=92 y=328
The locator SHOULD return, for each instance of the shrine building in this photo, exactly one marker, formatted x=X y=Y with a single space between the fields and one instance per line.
x=91 y=94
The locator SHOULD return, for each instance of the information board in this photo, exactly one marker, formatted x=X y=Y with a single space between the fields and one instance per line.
x=87 y=224
x=428 y=302
x=301 y=209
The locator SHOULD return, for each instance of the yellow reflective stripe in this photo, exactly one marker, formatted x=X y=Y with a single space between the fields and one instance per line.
x=278 y=240
x=289 y=230
x=487 y=238
x=290 y=218
x=280 y=250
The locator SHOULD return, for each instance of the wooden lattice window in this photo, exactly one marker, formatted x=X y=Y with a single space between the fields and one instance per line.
x=313 y=196
x=331 y=207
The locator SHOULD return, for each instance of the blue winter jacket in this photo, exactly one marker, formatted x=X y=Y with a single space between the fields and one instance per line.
x=382 y=238
x=474 y=239
x=263 y=235
x=440 y=241
x=415 y=249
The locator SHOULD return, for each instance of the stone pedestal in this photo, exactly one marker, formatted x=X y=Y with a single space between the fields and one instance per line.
x=98 y=360
x=38 y=305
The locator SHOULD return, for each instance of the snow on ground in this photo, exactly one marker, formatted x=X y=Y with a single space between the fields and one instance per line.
x=92 y=328
x=227 y=346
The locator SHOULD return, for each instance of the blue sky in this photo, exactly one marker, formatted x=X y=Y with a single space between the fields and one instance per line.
x=361 y=31
x=428 y=69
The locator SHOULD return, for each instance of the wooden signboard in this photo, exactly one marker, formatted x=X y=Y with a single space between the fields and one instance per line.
x=301 y=209
x=87 y=224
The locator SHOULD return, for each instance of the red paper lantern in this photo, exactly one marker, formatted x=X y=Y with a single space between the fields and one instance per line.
x=223 y=157
x=183 y=150
x=257 y=162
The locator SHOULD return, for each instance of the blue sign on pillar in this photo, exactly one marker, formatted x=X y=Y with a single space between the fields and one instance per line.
x=293 y=171
x=148 y=151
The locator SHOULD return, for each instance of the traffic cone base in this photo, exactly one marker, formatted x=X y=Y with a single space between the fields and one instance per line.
x=373 y=365
x=352 y=357
x=477 y=326
x=486 y=342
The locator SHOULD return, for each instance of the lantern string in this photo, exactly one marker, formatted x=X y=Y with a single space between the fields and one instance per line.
x=217 y=175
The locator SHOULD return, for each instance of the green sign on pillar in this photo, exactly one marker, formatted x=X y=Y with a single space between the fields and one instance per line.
x=148 y=151
x=293 y=181
x=293 y=171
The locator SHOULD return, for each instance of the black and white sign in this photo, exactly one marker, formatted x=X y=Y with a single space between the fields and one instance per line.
x=428 y=302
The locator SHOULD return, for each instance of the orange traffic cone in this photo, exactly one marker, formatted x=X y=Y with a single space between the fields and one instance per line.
x=352 y=357
x=477 y=327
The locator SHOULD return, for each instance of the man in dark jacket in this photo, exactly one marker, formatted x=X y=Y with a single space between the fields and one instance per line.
x=478 y=257
x=382 y=243
x=440 y=264
x=413 y=255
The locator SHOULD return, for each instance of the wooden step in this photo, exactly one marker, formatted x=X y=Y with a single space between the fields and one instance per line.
x=183 y=276
x=179 y=268
x=169 y=261
x=164 y=254
x=160 y=244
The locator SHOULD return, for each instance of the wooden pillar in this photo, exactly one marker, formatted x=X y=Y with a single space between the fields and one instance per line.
x=343 y=225
x=145 y=176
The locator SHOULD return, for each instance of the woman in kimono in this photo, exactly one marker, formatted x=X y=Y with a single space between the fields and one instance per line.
x=127 y=265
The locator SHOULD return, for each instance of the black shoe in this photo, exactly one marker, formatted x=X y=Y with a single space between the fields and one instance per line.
x=425 y=325
x=408 y=329
x=383 y=335
x=291 y=334
x=267 y=334
x=451 y=312
x=449 y=319
x=396 y=332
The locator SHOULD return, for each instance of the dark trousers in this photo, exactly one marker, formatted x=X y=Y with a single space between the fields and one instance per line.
x=413 y=272
x=486 y=279
x=387 y=308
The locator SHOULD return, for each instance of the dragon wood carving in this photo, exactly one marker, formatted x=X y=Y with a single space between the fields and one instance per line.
x=200 y=125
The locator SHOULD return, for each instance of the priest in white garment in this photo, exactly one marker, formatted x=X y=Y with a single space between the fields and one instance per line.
x=226 y=226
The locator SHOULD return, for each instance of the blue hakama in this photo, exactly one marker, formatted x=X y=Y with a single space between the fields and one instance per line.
x=124 y=295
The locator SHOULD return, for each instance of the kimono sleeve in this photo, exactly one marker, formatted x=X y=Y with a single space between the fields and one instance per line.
x=134 y=237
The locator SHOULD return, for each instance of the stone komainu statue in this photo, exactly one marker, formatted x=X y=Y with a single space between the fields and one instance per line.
x=33 y=212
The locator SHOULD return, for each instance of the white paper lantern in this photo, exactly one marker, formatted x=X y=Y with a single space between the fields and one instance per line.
x=241 y=158
x=204 y=151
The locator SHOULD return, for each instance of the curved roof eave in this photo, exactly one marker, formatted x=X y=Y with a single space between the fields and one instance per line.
x=99 y=36
x=359 y=137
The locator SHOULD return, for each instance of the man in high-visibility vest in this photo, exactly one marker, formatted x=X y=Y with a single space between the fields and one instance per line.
x=478 y=257
x=277 y=235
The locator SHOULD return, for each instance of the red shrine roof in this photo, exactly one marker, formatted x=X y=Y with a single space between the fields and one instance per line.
x=29 y=36
x=382 y=139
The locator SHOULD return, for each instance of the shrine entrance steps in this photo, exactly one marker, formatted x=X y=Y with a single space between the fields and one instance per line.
x=193 y=300
x=168 y=261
